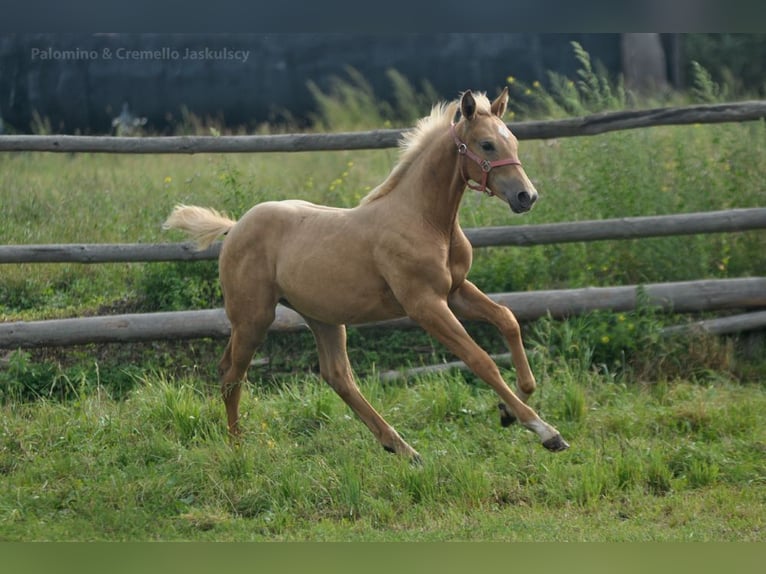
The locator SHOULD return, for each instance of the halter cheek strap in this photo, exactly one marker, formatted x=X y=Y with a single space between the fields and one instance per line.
x=485 y=165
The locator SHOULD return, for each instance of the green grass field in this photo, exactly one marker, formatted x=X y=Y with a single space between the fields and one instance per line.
x=127 y=442
x=669 y=461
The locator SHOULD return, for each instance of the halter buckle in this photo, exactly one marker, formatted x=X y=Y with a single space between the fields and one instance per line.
x=462 y=149
x=486 y=166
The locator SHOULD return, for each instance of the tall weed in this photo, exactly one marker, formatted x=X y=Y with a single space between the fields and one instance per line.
x=593 y=91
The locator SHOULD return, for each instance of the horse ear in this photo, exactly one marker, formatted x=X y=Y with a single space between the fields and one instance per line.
x=468 y=105
x=500 y=104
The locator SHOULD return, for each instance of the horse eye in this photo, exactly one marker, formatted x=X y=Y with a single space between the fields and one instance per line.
x=487 y=146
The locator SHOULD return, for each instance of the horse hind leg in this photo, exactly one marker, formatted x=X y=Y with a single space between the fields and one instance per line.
x=335 y=368
x=245 y=338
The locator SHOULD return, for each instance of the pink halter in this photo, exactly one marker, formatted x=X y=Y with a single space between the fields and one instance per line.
x=485 y=165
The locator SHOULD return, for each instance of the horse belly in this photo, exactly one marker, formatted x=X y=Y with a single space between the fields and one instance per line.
x=325 y=271
x=338 y=296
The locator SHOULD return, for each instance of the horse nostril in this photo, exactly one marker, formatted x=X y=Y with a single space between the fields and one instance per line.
x=525 y=200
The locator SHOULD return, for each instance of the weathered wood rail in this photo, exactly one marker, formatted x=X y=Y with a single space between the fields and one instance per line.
x=592 y=124
x=732 y=220
x=719 y=326
x=682 y=297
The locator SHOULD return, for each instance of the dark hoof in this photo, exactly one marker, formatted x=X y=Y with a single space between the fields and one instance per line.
x=556 y=444
x=415 y=459
x=507 y=418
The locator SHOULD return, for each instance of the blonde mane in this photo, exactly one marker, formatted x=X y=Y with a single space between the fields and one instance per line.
x=413 y=141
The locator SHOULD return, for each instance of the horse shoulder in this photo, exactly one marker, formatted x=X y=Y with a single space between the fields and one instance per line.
x=410 y=264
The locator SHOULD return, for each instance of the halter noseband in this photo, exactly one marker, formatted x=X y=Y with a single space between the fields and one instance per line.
x=485 y=165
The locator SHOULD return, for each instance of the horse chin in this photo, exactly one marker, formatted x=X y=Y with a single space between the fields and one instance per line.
x=517 y=208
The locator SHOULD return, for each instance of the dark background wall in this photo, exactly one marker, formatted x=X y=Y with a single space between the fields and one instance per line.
x=84 y=92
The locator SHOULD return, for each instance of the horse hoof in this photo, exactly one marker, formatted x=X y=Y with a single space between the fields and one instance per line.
x=507 y=418
x=413 y=455
x=556 y=444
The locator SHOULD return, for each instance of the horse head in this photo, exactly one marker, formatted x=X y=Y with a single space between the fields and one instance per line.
x=489 y=153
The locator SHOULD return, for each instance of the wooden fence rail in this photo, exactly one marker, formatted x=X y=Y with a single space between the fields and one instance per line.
x=720 y=326
x=106 y=253
x=685 y=296
x=519 y=235
x=377 y=139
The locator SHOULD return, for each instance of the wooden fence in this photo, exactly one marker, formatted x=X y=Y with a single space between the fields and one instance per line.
x=730 y=220
x=592 y=124
x=689 y=296
x=681 y=297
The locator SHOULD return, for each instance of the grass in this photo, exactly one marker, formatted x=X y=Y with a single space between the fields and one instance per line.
x=127 y=442
x=679 y=462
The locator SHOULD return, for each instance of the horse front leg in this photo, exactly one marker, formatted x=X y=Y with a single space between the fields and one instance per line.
x=470 y=303
x=435 y=316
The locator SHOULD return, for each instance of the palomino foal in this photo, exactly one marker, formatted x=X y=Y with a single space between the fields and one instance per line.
x=400 y=252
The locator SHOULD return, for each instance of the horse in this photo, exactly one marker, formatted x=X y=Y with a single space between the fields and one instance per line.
x=399 y=252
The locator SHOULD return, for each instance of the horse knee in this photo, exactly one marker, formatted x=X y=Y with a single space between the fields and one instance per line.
x=511 y=325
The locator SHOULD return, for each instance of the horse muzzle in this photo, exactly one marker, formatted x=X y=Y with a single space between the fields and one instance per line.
x=521 y=201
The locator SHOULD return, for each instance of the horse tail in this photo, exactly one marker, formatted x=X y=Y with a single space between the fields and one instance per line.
x=202 y=224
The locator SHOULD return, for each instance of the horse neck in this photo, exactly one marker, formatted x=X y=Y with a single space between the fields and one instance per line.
x=432 y=186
